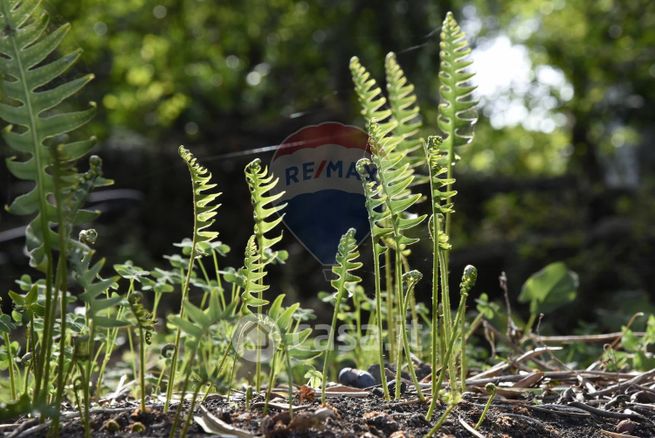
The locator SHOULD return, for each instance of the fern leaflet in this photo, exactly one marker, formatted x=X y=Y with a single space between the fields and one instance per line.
x=204 y=206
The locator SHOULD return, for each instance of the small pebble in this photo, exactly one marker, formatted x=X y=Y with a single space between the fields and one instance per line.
x=356 y=378
x=626 y=426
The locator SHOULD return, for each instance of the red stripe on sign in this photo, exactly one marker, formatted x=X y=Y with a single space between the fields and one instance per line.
x=326 y=133
x=320 y=169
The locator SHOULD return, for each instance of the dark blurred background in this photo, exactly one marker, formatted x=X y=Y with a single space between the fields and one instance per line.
x=562 y=166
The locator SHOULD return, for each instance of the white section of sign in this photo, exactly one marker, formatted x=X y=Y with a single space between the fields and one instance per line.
x=312 y=170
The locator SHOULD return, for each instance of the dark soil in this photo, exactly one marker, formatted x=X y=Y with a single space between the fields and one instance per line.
x=367 y=417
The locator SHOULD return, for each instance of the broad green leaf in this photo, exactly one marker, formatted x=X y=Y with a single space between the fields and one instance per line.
x=550 y=288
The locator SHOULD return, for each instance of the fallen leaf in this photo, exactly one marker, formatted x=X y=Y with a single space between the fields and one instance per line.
x=211 y=424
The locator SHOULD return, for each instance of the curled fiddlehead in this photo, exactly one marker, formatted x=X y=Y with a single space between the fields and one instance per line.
x=144 y=319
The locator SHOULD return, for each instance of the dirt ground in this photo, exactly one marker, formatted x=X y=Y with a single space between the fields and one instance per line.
x=369 y=416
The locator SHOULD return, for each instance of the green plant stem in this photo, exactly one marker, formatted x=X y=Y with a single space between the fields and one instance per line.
x=86 y=379
x=435 y=309
x=142 y=368
x=491 y=390
x=178 y=411
x=447 y=356
x=130 y=342
x=289 y=379
x=330 y=343
x=391 y=323
x=42 y=369
x=449 y=328
x=406 y=347
x=463 y=370
x=178 y=334
x=414 y=315
x=358 y=328
x=378 y=318
x=61 y=282
x=441 y=421
x=271 y=380
x=189 y=416
x=10 y=358
x=219 y=282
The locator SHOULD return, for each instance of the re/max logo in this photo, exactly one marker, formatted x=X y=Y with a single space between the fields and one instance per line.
x=326 y=168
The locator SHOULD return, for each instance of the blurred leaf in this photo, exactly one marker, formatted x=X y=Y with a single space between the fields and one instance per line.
x=550 y=288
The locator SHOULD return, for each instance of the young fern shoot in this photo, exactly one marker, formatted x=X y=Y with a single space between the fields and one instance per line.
x=267 y=217
x=204 y=211
x=457 y=113
x=376 y=215
x=394 y=178
x=145 y=325
x=343 y=282
x=456 y=120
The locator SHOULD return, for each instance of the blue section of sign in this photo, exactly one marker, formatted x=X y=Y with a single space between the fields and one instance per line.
x=319 y=219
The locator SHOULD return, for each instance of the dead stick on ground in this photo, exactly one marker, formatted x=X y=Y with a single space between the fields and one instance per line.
x=628 y=383
x=587 y=339
x=604 y=413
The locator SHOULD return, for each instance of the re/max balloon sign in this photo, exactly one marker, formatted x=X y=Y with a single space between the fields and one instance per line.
x=323 y=191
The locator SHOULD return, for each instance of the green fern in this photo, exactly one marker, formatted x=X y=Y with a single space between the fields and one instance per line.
x=457 y=113
x=395 y=178
x=32 y=108
x=204 y=206
x=261 y=184
x=371 y=100
x=405 y=110
x=389 y=215
x=204 y=212
x=95 y=290
x=398 y=117
x=346 y=263
x=253 y=274
x=376 y=215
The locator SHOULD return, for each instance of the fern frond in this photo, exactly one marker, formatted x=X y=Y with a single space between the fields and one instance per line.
x=253 y=272
x=457 y=108
x=395 y=177
x=440 y=185
x=204 y=206
x=405 y=110
x=95 y=289
x=266 y=215
x=346 y=262
x=30 y=105
x=378 y=216
x=371 y=99
x=144 y=319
